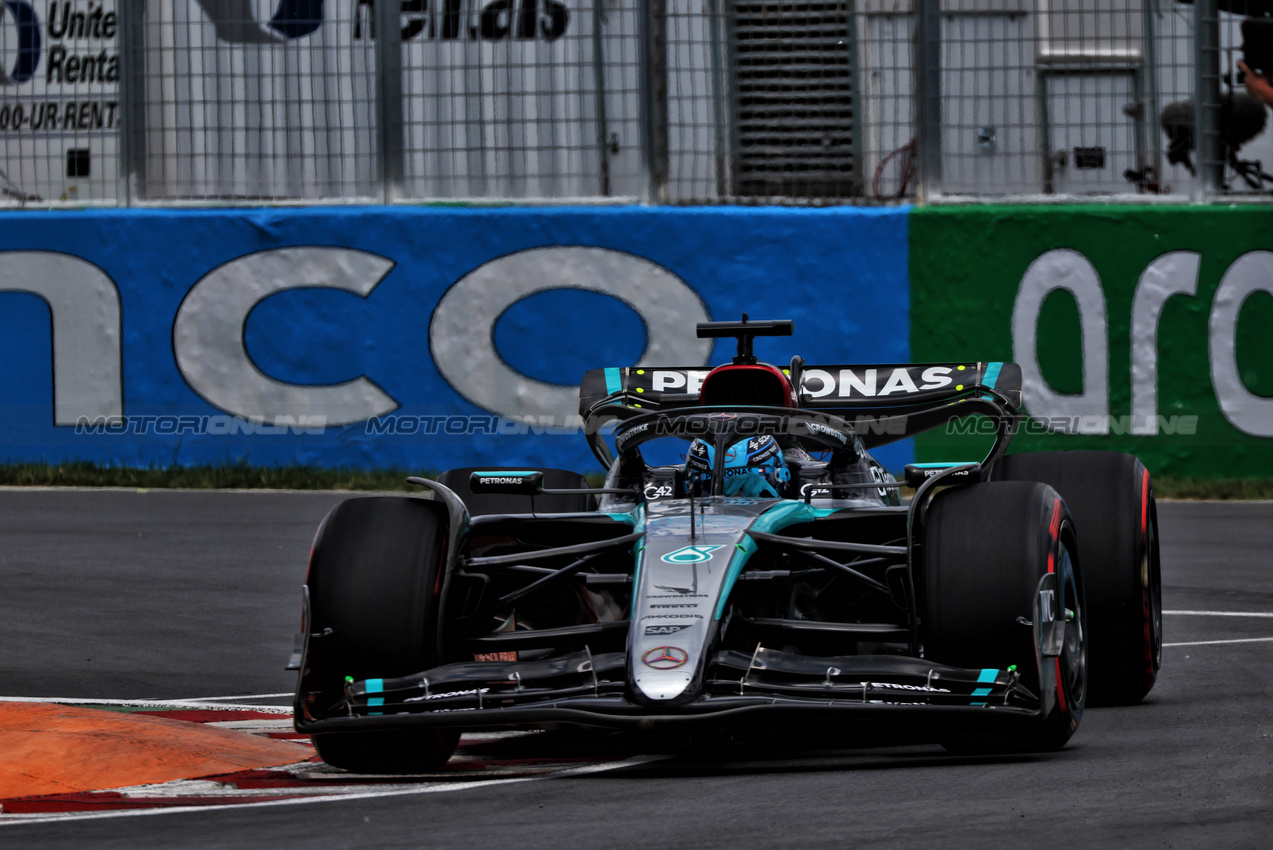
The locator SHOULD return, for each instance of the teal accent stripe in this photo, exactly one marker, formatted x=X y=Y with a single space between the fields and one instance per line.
x=637 y=518
x=992 y=375
x=743 y=550
x=782 y=515
x=375 y=686
x=614 y=381
x=947 y=464
x=499 y=474
x=986 y=675
x=775 y=519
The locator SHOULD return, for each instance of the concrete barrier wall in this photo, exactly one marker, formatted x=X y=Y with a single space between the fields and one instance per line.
x=402 y=337
x=428 y=338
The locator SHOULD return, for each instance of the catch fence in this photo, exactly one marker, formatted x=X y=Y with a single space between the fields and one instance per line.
x=136 y=102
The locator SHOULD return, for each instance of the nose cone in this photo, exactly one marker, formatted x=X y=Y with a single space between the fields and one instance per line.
x=663 y=673
x=662 y=685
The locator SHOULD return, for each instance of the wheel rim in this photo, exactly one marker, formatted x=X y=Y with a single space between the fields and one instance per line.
x=1073 y=660
x=1151 y=581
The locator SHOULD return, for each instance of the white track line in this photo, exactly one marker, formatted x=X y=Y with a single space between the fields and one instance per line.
x=1219 y=614
x=218 y=699
x=334 y=798
x=153 y=703
x=1214 y=642
x=1257 y=614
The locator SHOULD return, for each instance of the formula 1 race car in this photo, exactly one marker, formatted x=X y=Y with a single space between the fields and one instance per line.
x=747 y=562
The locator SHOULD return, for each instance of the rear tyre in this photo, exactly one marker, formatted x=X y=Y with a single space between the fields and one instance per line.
x=986 y=548
x=373 y=579
x=1112 y=499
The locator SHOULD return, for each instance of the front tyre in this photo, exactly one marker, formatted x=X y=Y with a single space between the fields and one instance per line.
x=987 y=549
x=1112 y=499
x=374 y=575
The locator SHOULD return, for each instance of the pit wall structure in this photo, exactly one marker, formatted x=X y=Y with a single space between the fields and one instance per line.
x=428 y=338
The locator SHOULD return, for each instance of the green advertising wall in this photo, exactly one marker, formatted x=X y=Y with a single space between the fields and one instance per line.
x=1152 y=327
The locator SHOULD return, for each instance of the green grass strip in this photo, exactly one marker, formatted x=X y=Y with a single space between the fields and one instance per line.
x=296 y=477
x=1222 y=489
x=205 y=477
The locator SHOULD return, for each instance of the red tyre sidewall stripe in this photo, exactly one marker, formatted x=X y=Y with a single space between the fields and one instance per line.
x=1146 y=603
x=1144 y=504
x=1060 y=687
x=1054 y=528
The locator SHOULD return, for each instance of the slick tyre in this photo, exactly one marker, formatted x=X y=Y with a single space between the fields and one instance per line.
x=1111 y=498
x=986 y=547
x=373 y=580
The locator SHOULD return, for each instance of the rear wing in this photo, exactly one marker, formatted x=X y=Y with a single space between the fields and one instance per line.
x=878 y=389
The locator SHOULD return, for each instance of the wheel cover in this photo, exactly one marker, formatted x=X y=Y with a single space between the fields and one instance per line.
x=1072 y=675
x=1151 y=581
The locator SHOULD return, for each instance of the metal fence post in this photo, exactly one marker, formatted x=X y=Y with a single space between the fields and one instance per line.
x=1206 y=69
x=654 y=98
x=132 y=107
x=928 y=95
x=599 y=99
x=1149 y=119
x=389 y=129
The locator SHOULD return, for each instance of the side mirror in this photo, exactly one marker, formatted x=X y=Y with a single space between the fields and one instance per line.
x=918 y=473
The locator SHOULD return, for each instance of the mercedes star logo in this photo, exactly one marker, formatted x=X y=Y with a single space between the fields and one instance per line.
x=665 y=657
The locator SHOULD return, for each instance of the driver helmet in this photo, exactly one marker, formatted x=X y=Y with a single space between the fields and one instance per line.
x=753 y=467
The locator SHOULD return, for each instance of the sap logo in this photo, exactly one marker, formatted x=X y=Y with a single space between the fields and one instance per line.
x=663 y=630
x=452 y=20
x=19 y=42
x=819 y=382
x=262 y=22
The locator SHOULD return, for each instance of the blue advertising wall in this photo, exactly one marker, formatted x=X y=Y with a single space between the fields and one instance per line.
x=421 y=338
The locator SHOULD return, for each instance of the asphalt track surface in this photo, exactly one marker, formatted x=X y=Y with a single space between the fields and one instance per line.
x=125 y=595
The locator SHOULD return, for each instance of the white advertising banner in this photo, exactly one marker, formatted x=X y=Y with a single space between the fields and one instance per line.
x=59 y=100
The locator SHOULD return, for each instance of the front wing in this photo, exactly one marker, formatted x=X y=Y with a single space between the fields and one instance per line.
x=590 y=690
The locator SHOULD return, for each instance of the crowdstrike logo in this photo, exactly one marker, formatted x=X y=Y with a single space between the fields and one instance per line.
x=19 y=42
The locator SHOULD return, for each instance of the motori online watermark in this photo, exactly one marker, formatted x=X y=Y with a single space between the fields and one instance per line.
x=1090 y=425
x=461 y=425
x=467 y=425
x=219 y=425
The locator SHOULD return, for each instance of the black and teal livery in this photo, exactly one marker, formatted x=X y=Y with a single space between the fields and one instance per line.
x=515 y=597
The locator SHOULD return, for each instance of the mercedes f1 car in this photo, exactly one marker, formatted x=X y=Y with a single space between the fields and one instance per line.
x=763 y=570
